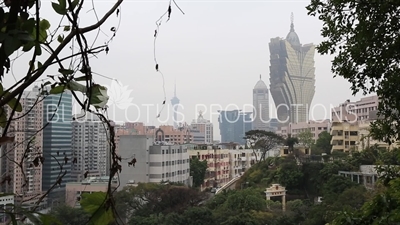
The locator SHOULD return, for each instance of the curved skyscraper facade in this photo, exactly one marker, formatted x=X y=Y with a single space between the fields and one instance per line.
x=292 y=77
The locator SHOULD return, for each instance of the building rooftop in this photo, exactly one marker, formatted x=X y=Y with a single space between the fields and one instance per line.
x=292 y=37
x=261 y=85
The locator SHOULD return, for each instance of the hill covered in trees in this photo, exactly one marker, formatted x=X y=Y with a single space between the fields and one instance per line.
x=342 y=199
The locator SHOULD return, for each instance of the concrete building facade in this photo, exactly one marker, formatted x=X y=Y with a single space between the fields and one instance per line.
x=7 y=202
x=261 y=119
x=241 y=160
x=218 y=164
x=25 y=179
x=292 y=77
x=74 y=190
x=145 y=160
x=202 y=130
x=90 y=148
x=355 y=111
x=315 y=127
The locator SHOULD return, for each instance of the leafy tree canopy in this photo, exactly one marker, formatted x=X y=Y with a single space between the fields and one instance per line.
x=363 y=36
x=198 y=171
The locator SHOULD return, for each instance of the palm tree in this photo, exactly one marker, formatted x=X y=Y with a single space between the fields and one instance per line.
x=290 y=142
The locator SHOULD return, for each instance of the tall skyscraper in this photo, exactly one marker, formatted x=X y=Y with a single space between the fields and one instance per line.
x=57 y=135
x=175 y=104
x=292 y=77
x=233 y=125
x=20 y=160
x=89 y=147
x=261 y=106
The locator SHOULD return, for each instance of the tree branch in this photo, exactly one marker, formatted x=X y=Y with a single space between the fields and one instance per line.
x=57 y=51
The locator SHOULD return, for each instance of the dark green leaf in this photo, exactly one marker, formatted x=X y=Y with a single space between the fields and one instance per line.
x=1 y=17
x=75 y=86
x=94 y=204
x=58 y=9
x=99 y=96
x=11 y=45
x=67 y=28
x=65 y=71
x=42 y=35
x=24 y=15
x=57 y=90
x=24 y=36
x=44 y=24
x=28 y=46
x=1 y=89
x=47 y=219
x=2 y=36
x=60 y=38
x=63 y=4
x=29 y=26
x=73 y=5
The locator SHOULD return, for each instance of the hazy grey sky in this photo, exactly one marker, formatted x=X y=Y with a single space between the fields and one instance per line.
x=216 y=52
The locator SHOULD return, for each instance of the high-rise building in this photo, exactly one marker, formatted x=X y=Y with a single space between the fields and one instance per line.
x=233 y=125
x=89 y=147
x=292 y=77
x=57 y=146
x=175 y=105
x=202 y=130
x=261 y=106
x=20 y=160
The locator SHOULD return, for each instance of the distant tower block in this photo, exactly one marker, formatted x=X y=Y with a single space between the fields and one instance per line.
x=175 y=104
x=261 y=106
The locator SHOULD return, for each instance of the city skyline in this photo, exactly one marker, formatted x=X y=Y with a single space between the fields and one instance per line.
x=224 y=52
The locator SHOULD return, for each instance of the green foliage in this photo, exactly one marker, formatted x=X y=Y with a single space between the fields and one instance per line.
x=263 y=140
x=290 y=141
x=198 y=171
x=94 y=204
x=323 y=143
x=306 y=138
x=290 y=176
x=65 y=215
x=363 y=36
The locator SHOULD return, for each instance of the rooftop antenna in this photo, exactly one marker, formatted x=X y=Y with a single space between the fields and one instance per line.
x=291 y=22
x=260 y=76
x=175 y=88
x=291 y=17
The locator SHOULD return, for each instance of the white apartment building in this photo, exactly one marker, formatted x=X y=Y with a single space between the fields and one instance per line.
x=241 y=160
x=355 y=111
x=6 y=204
x=25 y=180
x=315 y=127
x=89 y=147
x=218 y=164
x=144 y=160
x=202 y=130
